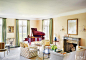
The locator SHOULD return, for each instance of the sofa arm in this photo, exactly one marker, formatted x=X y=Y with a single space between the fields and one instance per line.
x=33 y=47
x=56 y=56
x=24 y=50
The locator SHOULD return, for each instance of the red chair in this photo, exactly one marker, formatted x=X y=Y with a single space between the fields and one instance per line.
x=37 y=33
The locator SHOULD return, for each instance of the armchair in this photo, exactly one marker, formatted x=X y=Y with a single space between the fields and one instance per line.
x=28 y=52
x=2 y=48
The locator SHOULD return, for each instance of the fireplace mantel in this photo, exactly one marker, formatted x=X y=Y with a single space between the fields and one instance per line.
x=69 y=40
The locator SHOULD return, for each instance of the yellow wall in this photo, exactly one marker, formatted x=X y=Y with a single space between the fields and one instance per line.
x=62 y=21
x=58 y=22
x=36 y=24
x=11 y=22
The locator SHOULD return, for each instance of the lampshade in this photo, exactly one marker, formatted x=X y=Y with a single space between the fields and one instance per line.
x=47 y=43
x=54 y=35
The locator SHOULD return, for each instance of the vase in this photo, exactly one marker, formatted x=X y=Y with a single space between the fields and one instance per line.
x=55 y=50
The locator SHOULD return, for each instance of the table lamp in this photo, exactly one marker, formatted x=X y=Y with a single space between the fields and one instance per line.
x=55 y=39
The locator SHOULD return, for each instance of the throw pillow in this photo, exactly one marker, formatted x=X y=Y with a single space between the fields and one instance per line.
x=21 y=44
x=25 y=45
x=47 y=42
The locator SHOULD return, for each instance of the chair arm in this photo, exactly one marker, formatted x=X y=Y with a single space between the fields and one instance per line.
x=33 y=47
x=24 y=49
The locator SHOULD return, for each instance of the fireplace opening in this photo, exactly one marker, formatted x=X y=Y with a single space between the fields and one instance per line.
x=72 y=47
x=70 y=44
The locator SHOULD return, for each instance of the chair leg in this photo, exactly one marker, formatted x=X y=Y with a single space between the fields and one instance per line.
x=4 y=53
x=43 y=56
x=9 y=48
x=7 y=52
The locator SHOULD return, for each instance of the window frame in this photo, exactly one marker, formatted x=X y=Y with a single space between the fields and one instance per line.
x=22 y=33
x=46 y=36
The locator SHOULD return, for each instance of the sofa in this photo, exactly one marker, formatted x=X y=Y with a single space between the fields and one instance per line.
x=75 y=55
x=28 y=51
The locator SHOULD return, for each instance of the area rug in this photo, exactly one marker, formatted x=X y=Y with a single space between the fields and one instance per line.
x=14 y=54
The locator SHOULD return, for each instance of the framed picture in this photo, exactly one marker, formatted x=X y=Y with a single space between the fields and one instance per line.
x=72 y=26
x=10 y=29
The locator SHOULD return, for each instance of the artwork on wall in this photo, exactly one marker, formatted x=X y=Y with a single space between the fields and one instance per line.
x=72 y=26
x=10 y=29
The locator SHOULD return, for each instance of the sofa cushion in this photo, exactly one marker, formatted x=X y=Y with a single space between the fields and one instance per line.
x=25 y=45
x=21 y=44
x=47 y=43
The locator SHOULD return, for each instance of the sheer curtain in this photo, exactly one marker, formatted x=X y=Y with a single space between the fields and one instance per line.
x=22 y=30
x=45 y=28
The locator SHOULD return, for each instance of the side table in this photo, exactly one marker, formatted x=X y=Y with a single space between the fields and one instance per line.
x=38 y=47
x=46 y=51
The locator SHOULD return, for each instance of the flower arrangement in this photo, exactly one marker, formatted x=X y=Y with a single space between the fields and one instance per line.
x=54 y=47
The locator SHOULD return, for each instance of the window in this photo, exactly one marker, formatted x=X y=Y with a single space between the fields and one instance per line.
x=46 y=28
x=22 y=30
x=0 y=29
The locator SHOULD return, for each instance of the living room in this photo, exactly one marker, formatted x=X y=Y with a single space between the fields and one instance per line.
x=52 y=19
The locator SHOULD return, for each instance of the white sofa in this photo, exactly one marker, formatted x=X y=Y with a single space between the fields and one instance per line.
x=76 y=55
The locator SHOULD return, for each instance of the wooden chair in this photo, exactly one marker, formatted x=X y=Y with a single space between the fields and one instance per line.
x=2 y=48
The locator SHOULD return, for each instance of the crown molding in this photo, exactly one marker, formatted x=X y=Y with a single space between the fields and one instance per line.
x=54 y=16
x=71 y=13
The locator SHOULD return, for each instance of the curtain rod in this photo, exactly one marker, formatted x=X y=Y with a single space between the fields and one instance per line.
x=44 y=19
x=1 y=17
x=23 y=19
x=15 y=18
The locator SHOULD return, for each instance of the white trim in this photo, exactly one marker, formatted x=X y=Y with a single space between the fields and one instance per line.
x=35 y=19
x=47 y=17
x=71 y=13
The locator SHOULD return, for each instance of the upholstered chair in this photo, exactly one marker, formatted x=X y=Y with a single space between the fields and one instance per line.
x=28 y=51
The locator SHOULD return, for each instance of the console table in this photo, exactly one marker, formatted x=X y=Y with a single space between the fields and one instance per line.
x=8 y=46
x=11 y=40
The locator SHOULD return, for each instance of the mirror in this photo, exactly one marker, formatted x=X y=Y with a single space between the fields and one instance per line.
x=72 y=26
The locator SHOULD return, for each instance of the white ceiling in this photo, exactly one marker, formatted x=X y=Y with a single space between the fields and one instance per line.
x=26 y=9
